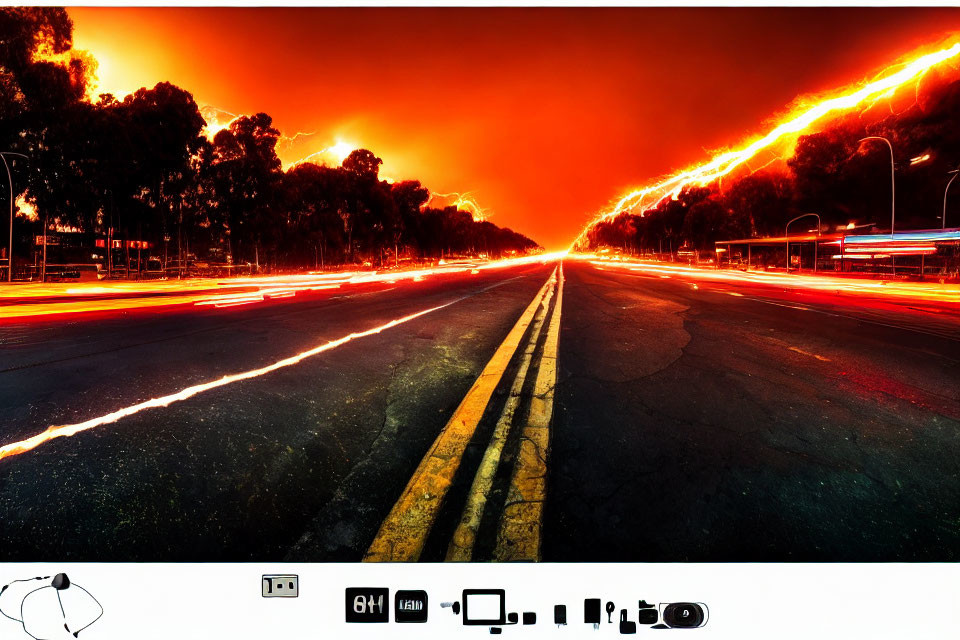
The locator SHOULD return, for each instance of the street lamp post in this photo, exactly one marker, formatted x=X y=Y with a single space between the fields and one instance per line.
x=4 y=154
x=892 y=181
x=786 y=233
x=943 y=220
x=893 y=259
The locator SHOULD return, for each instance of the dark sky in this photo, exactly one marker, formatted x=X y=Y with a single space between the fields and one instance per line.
x=544 y=114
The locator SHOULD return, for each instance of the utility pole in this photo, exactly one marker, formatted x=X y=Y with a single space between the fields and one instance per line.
x=3 y=155
x=43 y=267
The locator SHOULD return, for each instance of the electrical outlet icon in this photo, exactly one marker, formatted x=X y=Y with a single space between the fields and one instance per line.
x=280 y=586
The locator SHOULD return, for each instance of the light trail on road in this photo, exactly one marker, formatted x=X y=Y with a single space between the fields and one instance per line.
x=931 y=292
x=61 y=431
x=22 y=301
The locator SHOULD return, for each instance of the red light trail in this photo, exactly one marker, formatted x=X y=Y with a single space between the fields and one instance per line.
x=37 y=300
x=932 y=292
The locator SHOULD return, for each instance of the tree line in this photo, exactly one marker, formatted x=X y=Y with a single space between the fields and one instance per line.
x=830 y=172
x=142 y=168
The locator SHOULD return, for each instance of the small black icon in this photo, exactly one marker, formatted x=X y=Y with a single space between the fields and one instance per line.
x=610 y=609
x=683 y=615
x=529 y=617
x=410 y=606
x=280 y=586
x=454 y=606
x=559 y=614
x=496 y=630
x=367 y=604
x=648 y=616
x=489 y=607
x=648 y=613
x=627 y=627
x=591 y=612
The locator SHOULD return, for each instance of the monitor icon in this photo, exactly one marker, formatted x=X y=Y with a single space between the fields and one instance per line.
x=484 y=607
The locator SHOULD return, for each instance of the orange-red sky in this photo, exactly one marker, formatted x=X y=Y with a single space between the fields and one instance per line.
x=544 y=114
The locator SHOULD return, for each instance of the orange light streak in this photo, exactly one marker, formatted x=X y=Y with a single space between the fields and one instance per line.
x=464 y=202
x=285 y=139
x=880 y=288
x=218 y=119
x=794 y=124
x=336 y=152
x=216 y=123
x=62 y=431
x=23 y=301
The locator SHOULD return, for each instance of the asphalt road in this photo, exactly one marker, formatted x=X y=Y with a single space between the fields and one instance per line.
x=695 y=425
x=688 y=423
x=240 y=472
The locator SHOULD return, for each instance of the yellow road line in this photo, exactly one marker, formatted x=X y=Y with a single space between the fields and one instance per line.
x=521 y=523
x=461 y=545
x=404 y=531
x=807 y=353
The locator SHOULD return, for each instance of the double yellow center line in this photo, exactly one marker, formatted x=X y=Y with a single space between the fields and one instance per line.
x=521 y=524
x=404 y=532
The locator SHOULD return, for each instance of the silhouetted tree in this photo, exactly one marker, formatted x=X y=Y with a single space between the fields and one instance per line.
x=242 y=174
x=313 y=198
x=409 y=197
x=759 y=204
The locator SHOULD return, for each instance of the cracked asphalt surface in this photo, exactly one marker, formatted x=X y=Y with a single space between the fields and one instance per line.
x=689 y=424
x=693 y=425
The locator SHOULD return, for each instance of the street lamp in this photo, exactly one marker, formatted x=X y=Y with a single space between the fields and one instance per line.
x=892 y=188
x=955 y=173
x=786 y=233
x=4 y=154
